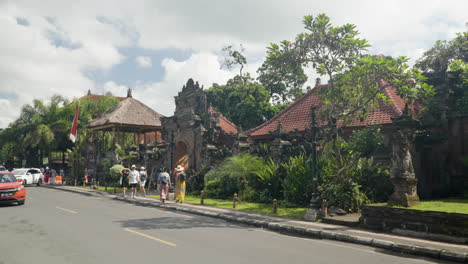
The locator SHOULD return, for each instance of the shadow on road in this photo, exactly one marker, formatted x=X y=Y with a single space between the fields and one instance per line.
x=175 y=223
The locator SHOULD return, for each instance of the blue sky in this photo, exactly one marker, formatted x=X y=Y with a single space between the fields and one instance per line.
x=153 y=46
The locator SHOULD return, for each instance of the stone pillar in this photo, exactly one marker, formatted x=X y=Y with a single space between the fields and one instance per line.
x=402 y=173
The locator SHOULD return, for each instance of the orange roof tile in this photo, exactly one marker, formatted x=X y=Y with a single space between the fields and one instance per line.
x=297 y=116
x=227 y=127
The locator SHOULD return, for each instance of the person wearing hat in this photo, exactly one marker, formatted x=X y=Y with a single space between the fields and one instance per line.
x=143 y=180
x=180 y=178
x=124 y=180
x=133 y=179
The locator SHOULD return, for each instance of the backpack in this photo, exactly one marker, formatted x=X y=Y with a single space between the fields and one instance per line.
x=182 y=177
x=142 y=177
x=164 y=179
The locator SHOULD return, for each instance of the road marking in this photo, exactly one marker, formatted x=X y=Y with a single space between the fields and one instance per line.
x=150 y=237
x=66 y=210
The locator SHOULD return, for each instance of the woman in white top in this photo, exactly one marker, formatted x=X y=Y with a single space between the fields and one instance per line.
x=133 y=179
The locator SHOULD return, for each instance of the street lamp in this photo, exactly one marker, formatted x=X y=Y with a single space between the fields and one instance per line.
x=314 y=212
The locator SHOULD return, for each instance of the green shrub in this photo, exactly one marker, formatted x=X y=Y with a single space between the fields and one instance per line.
x=235 y=174
x=114 y=173
x=298 y=182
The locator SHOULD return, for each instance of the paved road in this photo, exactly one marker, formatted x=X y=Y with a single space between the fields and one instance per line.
x=61 y=227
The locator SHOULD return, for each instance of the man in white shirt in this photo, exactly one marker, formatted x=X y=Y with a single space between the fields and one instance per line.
x=133 y=179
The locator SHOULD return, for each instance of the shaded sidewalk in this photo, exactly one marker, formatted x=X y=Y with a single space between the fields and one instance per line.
x=422 y=247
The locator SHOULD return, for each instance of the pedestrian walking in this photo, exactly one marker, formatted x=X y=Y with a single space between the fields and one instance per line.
x=46 y=175
x=124 y=180
x=53 y=174
x=133 y=179
x=143 y=178
x=164 y=182
x=180 y=178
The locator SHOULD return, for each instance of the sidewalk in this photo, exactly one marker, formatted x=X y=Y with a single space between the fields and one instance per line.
x=427 y=248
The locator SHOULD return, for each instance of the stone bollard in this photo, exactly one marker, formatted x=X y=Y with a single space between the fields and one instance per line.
x=324 y=208
x=202 y=197
x=234 y=201
x=275 y=206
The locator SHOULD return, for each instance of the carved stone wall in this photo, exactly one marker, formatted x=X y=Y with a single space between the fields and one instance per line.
x=197 y=128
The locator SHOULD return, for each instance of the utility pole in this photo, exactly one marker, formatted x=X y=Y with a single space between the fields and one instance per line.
x=315 y=209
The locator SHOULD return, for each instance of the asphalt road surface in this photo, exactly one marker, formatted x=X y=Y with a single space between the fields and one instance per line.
x=61 y=227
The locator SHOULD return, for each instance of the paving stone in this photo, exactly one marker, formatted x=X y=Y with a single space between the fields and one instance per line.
x=328 y=234
x=382 y=243
x=453 y=256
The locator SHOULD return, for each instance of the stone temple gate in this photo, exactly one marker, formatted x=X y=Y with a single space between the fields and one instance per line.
x=196 y=135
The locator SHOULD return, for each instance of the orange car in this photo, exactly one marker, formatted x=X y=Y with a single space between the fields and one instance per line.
x=10 y=189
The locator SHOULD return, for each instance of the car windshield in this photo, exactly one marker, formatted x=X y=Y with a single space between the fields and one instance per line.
x=7 y=177
x=19 y=171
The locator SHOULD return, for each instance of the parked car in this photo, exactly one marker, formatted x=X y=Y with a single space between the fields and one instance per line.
x=29 y=176
x=11 y=190
x=2 y=168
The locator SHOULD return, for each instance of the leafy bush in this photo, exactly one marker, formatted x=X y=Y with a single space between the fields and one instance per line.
x=114 y=173
x=235 y=174
x=298 y=183
x=349 y=176
x=268 y=184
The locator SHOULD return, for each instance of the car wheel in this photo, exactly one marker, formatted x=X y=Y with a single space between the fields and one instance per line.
x=21 y=202
x=39 y=182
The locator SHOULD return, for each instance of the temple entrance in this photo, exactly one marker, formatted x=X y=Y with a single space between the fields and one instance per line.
x=181 y=155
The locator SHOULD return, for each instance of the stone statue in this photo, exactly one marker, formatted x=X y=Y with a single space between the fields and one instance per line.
x=402 y=173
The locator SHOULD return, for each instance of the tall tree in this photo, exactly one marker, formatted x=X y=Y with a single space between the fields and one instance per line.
x=356 y=81
x=235 y=57
x=282 y=73
x=243 y=101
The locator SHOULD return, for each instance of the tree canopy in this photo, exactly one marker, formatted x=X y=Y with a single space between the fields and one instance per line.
x=242 y=101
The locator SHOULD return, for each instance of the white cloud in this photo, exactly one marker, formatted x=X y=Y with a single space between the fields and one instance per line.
x=56 y=45
x=204 y=68
x=115 y=89
x=144 y=62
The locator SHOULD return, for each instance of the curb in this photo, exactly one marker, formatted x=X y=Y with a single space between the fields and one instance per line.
x=294 y=230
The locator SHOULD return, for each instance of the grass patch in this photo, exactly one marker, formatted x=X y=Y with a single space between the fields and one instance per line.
x=102 y=188
x=459 y=206
x=445 y=205
x=245 y=206
x=242 y=206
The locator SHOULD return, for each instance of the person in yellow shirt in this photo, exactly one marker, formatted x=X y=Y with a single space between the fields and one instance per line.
x=180 y=178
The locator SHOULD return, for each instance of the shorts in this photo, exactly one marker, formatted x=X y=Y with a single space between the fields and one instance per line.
x=124 y=184
x=133 y=185
x=142 y=183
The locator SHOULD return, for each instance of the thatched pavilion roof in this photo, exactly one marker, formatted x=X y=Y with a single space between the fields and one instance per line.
x=130 y=115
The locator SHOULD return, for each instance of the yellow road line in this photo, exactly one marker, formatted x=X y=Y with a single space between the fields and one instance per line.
x=150 y=237
x=66 y=210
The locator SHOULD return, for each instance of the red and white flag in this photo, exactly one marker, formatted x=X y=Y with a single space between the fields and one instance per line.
x=74 y=128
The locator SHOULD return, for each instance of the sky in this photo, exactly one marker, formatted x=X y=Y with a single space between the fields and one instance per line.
x=64 y=47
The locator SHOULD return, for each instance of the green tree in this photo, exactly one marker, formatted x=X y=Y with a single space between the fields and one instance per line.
x=356 y=81
x=435 y=62
x=282 y=73
x=246 y=103
x=235 y=57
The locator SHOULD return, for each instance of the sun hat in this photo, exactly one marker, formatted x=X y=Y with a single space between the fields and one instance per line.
x=133 y=166
x=142 y=168
x=179 y=168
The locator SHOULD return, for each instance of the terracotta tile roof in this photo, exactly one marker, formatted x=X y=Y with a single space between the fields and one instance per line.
x=297 y=116
x=227 y=127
